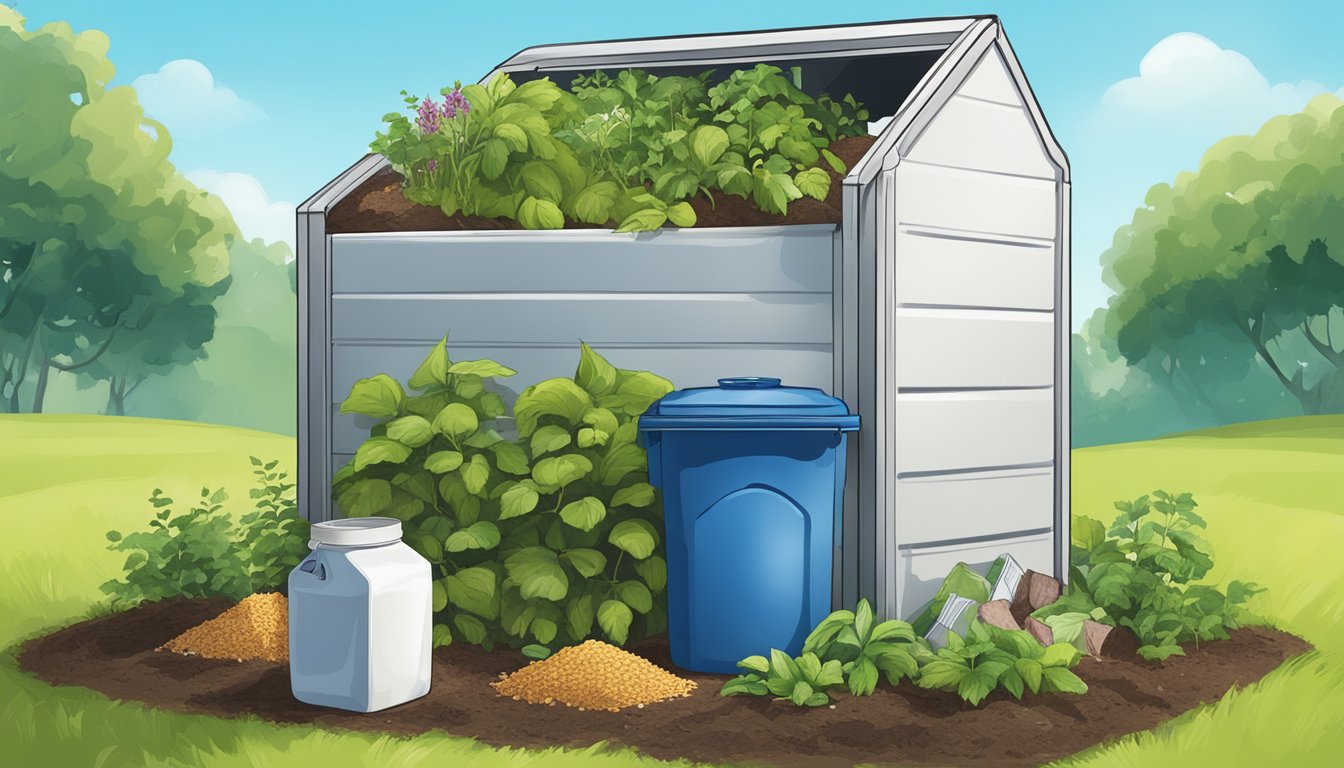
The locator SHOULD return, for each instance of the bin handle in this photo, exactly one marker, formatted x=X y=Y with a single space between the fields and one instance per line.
x=749 y=382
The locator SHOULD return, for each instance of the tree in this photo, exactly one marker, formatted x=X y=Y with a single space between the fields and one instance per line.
x=1241 y=266
x=103 y=244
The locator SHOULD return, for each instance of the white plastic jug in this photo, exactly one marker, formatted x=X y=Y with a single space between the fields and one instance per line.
x=359 y=617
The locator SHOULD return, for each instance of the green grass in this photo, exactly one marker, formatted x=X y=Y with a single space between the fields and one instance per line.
x=1269 y=491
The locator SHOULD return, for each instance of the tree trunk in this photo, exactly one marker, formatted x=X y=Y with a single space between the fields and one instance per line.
x=116 y=397
x=1309 y=402
x=43 y=376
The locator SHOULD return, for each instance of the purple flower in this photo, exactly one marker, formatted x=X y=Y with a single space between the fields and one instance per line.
x=455 y=102
x=428 y=117
x=432 y=166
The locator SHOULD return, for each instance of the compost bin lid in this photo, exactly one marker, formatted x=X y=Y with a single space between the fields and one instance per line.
x=749 y=402
x=355 y=532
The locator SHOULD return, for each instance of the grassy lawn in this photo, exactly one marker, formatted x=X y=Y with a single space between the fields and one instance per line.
x=1268 y=490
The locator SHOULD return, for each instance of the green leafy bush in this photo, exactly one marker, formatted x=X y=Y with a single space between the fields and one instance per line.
x=1140 y=574
x=202 y=552
x=542 y=540
x=846 y=647
x=629 y=149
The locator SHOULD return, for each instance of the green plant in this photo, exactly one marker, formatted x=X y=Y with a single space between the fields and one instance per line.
x=202 y=552
x=1139 y=574
x=535 y=538
x=989 y=658
x=802 y=681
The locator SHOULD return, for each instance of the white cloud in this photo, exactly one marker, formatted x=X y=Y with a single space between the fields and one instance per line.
x=1189 y=84
x=183 y=95
x=253 y=210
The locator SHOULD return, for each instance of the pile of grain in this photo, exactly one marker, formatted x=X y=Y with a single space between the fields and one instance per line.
x=256 y=628
x=593 y=675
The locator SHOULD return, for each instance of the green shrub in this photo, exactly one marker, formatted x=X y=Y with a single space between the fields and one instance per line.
x=847 y=647
x=630 y=149
x=1141 y=574
x=542 y=540
x=203 y=552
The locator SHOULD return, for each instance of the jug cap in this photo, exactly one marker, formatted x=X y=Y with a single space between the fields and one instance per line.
x=355 y=532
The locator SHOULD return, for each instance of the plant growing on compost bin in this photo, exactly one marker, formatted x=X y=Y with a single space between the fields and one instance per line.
x=202 y=552
x=1139 y=574
x=534 y=538
x=630 y=149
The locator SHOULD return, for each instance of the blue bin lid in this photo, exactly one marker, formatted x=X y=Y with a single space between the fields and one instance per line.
x=749 y=402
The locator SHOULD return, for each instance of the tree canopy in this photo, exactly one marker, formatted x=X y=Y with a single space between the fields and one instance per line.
x=109 y=257
x=1240 y=265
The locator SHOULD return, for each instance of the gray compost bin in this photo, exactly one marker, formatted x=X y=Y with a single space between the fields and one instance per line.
x=938 y=309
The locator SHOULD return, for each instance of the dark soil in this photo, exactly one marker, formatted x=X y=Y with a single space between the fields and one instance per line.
x=377 y=205
x=115 y=656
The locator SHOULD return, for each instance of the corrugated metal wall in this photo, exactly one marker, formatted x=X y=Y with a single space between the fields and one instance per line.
x=973 y=340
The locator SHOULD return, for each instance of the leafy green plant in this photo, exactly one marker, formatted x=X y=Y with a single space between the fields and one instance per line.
x=1140 y=574
x=802 y=681
x=631 y=148
x=989 y=658
x=539 y=540
x=202 y=552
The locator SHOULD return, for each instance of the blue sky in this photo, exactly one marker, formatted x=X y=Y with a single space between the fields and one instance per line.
x=266 y=101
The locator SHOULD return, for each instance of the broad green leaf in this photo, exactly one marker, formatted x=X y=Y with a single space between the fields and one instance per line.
x=441 y=636
x=518 y=501
x=470 y=628
x=553 y=397
x=801 y=693
x=481 y=534
x=515 y=136
x=548 y=439
x=511 y=458
x=744 y=684
x=614 y=617
x=439 y=596
x=892 y=629
x=365 y=497
x=653 y=570
x=537 y=573
x=756 y=664
x=813 y=182
x=681 y=214
x=863 y=677
x=377 y=450
x=595 y=204
x=1031 y=672
x=836 y=163
x=1060 y=654
x=588 y=562
x=584 y=513
x=484 y=368
x=455 y=421
x=645 y=220
x=1062 y=680
x=821 y=636
x=1087 y=533
x=595 y=374
x=544 y=630
x=809 y=666
x=601 y=419
x=579 y=615
x=378 y=396
x=536 y=213
x=541 y=183
x=475 y=590
x=637 y=495
x=411 y=431
x=442 y=462
x=863 y=621
x=589 y=437
x=620 y=461
x=494 y=157
x=942 y=674
x=635 y=595
x=1067 y=627
x=475 y=473
x=637 y=392
x=783 y=667
x=831 y=674
x=974 y=688
x=636 y=537
x=708 y=143
x=560 y=471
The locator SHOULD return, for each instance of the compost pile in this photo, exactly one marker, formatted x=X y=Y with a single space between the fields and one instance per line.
x=256 y=628
x=593 y=675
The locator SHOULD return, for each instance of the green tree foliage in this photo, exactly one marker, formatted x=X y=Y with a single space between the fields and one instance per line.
x=107 y=254
x=1240 y=267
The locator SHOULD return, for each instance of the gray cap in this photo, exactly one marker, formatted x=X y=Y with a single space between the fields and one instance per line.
x=355 y=532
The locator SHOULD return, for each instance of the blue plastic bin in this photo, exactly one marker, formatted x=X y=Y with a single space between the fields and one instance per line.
x=752 y=475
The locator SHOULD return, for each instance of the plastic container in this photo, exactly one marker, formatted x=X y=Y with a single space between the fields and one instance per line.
x=752 y=475
x=359 y=617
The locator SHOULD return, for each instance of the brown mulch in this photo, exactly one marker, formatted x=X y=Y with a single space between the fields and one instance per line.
x=115 y=656
x=377 y=205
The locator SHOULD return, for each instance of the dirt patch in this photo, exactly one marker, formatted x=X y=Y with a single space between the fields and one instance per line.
x=115 y=656
x=377 y=205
